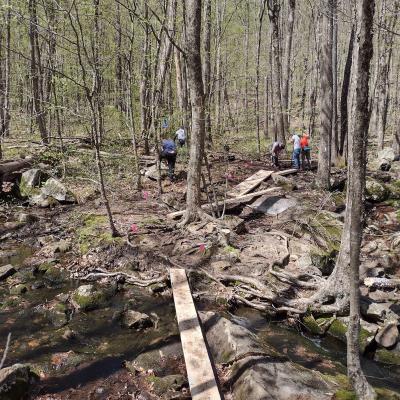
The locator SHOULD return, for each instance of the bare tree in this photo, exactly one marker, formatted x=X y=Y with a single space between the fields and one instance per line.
x=195 y=81
x=207 y=67
x=261 y=12
x=288 y=62
x=324 y=155
x=355 y=192
x=274 y=7
x=37 y=73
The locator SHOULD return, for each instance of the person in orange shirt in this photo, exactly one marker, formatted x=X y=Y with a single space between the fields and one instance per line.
x=305 y=151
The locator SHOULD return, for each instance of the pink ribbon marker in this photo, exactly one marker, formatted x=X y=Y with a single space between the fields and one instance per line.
x=202 y=248
x=134 y=228
x=145 y=195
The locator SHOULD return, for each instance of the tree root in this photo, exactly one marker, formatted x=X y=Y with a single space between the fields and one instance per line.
x=128 y=278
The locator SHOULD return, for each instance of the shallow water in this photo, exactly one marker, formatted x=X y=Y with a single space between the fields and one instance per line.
x=101 y=344
x=326 y=355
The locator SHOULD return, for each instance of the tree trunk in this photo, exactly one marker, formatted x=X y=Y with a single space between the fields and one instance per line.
x=274 y=7
x=194 y=67
x=261 y=12
x=383 y=73
x=335 y=136
x=288 y=61
x=266 y=103
x=145 y=83
x=207 y=67
x=344 y=123
x=356 y=187
x=5 y=113
x=36 y=74
x=324 y=154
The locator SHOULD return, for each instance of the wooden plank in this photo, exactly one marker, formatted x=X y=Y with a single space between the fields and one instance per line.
x=202 y=381
x=236 y=200
x=250 y=183
x=287 y=172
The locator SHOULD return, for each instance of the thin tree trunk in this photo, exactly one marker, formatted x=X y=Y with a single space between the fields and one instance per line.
x=195 y=81
x=145 y=83
x=344 y=123
x=356 y=187
x=207 y=67
x=288 y=61
x=266 y=102
x=261 y=12
x=274 y=7
x=324 y=155
x=37 y=87
x=335 y=136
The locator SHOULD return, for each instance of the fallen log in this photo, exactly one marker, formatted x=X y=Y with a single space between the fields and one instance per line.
x=286 y=172
x=229 y=202
x=382 y=283
x=9 y=170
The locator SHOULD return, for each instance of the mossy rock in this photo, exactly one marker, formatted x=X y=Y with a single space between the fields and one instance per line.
x=394 y=189
x=54 y=275
x=18 y=289
x=338 y=329
x=170 y=382
x=376 y=192
x=94 y=233
x=387 y=357
x=88 y=298
x=312 y=326
x=345 y=395
x=324 y=260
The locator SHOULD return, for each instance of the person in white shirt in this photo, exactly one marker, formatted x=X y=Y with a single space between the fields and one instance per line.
x=296 y=151
x=181 y=136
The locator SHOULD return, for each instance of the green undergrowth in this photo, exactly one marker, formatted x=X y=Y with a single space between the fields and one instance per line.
x=94 y=232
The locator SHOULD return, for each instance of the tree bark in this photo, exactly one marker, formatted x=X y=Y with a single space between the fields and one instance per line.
x=356 y=187
x=36 y=74
x=274 y=7
x=335 y=136
x=144 y=91
x=344 y=123
x=261 y=12
x=207 y=67
x=195 y=82
x=288 y=60
x=324 y=154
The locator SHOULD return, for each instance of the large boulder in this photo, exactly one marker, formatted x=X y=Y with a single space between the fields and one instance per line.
x=376 y=192
x=16 y=381
x=29 y=180
x=385 y=158
x=55 y=189
x=258 y=372
x=388 y=336
x=88 y=297
x=136 y=320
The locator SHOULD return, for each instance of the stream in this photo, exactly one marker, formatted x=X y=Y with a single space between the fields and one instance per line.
x=100 y=344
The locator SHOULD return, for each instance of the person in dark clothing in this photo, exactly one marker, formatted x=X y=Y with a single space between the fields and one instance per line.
x=277 y=147
x=168 y=153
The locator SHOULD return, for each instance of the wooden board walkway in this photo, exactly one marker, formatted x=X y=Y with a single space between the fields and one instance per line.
x=250 y=183
x=202 y=382
x=229 y=202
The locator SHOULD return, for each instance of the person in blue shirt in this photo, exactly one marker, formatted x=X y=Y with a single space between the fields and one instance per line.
x=168 y=153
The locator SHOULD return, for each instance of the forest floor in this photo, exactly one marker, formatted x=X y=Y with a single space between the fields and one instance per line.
x=291 y=249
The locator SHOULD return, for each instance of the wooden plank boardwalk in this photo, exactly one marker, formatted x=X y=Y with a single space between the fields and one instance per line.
x=250 y=183
x=202 y=381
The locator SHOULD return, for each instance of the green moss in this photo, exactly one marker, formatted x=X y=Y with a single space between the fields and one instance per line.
x=387 y=357
x=94 y=300
x=345 y=395
x=312 y=326
x=338 y=330
x=18 y=289
x=91 y=235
